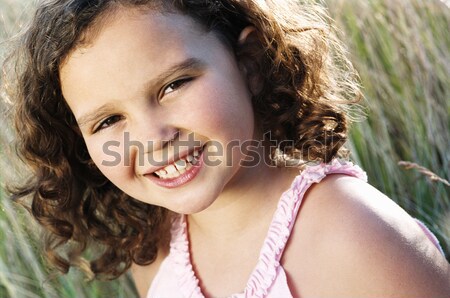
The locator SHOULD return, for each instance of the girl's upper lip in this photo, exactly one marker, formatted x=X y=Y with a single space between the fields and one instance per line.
x=162 y=164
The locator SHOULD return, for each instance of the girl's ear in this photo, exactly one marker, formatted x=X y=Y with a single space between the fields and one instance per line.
x=249 y=58
x=244 y=35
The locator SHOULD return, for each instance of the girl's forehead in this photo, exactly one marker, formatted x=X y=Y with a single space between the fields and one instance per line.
x=157 y=27
x=115 y=19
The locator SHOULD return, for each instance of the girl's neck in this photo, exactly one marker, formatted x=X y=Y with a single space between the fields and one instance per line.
x=247 y=203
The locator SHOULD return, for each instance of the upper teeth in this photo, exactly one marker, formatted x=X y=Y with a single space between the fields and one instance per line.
x=179 y=167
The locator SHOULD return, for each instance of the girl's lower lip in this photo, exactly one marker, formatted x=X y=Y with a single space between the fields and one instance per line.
x=184 y=178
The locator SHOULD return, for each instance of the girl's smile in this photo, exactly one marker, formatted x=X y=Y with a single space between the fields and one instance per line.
x=154 y=76
x=178 y=172
x=177 y=166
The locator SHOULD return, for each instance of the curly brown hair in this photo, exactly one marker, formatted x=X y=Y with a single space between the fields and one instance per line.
x=306 y=82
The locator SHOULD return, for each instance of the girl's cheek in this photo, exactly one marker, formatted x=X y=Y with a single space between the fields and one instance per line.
x=107 y=155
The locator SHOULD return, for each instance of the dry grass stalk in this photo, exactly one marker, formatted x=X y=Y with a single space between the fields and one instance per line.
x=432 y=176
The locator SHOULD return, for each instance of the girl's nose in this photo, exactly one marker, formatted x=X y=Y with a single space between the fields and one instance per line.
x=148 y=149
x=150 y=133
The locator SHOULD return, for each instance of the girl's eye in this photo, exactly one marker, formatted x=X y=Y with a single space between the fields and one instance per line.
x=175 y=85
x=108 y=122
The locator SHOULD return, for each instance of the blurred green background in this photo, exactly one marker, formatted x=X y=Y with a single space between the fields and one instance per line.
x=402 y=52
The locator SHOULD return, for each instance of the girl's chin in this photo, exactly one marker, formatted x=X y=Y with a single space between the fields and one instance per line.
x=194 y=202
x=190 y=208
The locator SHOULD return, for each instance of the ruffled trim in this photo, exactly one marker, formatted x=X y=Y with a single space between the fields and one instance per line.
x=265 y=271
x=188 y=283
x=430 y=236
x=280 y=228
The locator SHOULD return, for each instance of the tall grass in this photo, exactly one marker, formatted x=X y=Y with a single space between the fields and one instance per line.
x=402 y=52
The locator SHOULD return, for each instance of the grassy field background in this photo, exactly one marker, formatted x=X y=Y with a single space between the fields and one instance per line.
x=402 y=52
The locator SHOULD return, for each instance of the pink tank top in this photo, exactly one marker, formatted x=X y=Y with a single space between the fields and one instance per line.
x=176 y=277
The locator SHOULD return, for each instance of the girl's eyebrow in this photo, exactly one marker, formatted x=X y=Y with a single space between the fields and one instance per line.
x=94 y=115
x=188 y=64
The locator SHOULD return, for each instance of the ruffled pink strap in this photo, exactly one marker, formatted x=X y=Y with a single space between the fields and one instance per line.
x=179 y=251
x=284 y=218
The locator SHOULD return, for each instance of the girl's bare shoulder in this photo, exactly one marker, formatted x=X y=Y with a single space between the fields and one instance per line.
x=350 y=240
x=144 y=275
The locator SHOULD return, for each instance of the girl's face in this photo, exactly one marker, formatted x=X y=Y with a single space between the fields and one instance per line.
x=147 y=78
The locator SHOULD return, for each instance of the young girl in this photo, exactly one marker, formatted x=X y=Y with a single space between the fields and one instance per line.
x=200 y=143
